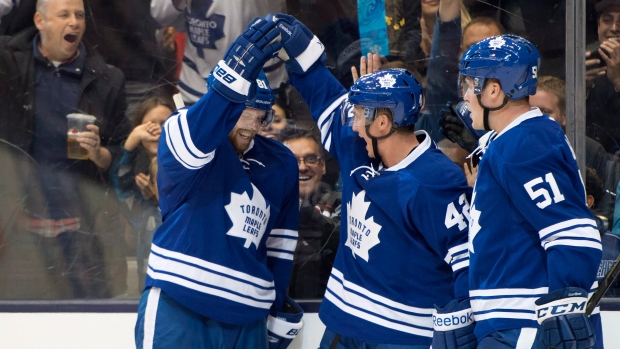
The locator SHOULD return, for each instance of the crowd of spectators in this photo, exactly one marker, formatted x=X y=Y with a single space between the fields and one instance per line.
x=73 y=228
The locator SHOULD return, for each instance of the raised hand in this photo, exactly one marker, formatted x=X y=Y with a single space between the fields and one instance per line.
x=367 y=65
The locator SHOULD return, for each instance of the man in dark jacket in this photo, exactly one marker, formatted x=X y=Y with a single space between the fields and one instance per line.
x=62 y=233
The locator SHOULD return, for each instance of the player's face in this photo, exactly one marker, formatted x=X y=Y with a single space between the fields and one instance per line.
x=279 y=123
x=477 y=32
x=359 y=126
x=311 y=164
x=548 y=103
x=157 y=115
x=609 y=24
x=246 y=128
x=472 y=104
x=61 y=24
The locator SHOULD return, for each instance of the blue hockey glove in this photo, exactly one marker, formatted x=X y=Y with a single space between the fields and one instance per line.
x=454 y=326
x=562 y=319
x=285 y=326
x=237 y=72
x=302 y=49
x=456 y=125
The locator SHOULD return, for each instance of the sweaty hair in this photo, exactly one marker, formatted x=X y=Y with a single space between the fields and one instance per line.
x=594 y=185
x=147 y=105
x=552 y=84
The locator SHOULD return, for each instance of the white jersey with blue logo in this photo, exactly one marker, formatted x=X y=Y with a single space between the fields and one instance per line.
x=403 y=242
x=211 y=26
x=530 y=231
x=225 y=246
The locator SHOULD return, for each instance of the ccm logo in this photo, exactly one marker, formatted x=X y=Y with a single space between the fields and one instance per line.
x=559 y=309
x=222 y=73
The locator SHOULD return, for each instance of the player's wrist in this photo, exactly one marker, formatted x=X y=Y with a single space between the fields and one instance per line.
x=230 y=84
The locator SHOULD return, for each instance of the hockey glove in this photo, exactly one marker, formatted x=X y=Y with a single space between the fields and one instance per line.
x=285 y=326
x=456 y=123
x=236 y=74
x=301 y=49
x=454 y=326
x=562 y=319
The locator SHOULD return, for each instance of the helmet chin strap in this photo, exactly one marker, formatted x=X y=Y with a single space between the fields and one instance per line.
x=375 y=147
x=485 y=117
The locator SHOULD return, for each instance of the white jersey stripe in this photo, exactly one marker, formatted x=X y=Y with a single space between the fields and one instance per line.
x=574 y=243
x=506 y=292
x=181 y=145
x=280 y=254
x=285 y=244
x=284 y=232
x=150 y=317
x=460 y=265
x=210 y=290
x=456 y=250
x=504 y=315
x=195 y=274
x=564 y=225
x=350 y=293
x=211 y=266
x=327 y=118
x=378 y=320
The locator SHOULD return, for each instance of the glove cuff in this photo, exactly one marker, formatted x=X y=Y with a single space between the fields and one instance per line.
x=283 y=328
x=452 y=321
x=230 y=84
x=564 y=306
x=310 y=55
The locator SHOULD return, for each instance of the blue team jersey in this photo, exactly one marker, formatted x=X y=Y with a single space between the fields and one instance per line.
x=229 y=230
x=530 y=231
x=403 y=237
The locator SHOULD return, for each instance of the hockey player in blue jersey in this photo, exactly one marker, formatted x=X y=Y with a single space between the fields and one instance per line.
x=221 y=260
x=403 y=244
x=534 y=246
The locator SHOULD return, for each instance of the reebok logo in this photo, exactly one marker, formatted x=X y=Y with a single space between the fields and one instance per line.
x=452 y=320
x=285 y=29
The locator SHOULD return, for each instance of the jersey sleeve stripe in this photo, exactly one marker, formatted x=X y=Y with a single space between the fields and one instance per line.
x=279 y=243
x=284 y=232
x=327 y=118
x=378 y=320
x=211 y=290
x=574 y=243
x=460 y=265
x=280 y=254
x=504 y=315
x=180 y=143
x=454 y=251
x=370 y=300
x=572 y=223
x=211 y=266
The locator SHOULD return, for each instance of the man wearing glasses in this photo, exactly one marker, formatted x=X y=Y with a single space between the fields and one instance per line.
x=319 y=217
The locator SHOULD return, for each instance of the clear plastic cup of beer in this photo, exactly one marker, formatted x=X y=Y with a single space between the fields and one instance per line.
x=76 y=123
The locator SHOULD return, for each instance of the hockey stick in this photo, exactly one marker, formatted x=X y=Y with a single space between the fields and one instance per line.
x=603 y=286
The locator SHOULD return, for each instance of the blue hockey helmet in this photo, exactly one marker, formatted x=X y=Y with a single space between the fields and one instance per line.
x=510 y=59
x=263 y=98
x=395 y=88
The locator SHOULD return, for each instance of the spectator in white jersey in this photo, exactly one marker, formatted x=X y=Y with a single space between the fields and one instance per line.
x=533 y=242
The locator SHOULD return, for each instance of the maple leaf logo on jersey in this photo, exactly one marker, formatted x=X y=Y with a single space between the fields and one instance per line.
x=497 y=42
x=362 y=233
x=249 y=216
x=387 y=80
x=474 y=225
